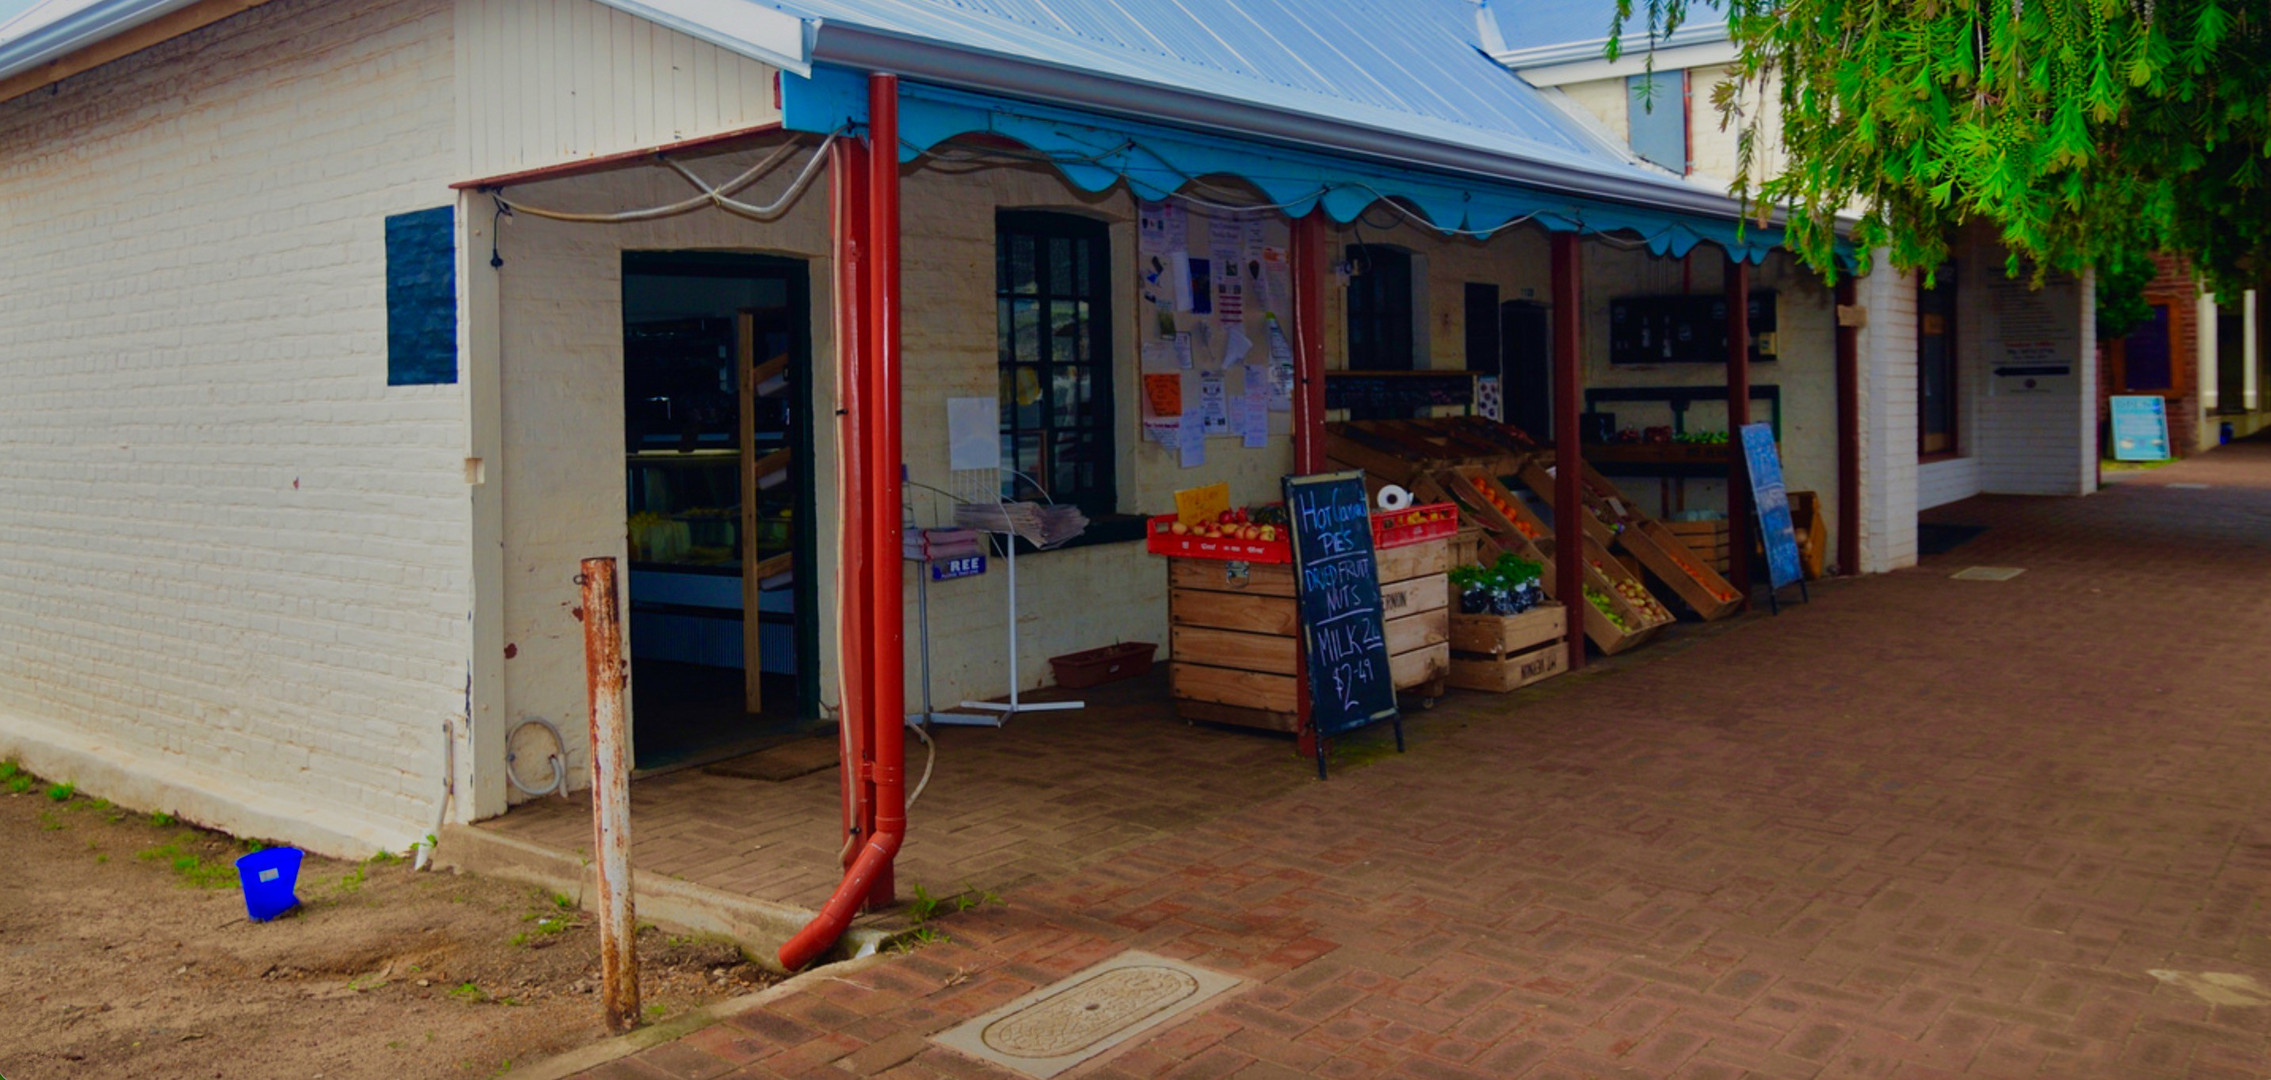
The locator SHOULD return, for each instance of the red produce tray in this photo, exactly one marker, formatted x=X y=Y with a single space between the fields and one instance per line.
x=1415 y=524
x=1159 y=540
x=1110 y=663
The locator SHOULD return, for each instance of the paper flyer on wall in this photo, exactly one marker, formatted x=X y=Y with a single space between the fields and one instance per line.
x=1167 y=433
x=1235 y=346
x=1159 y=228
x=1191 y=440
x=1281 y=370
x=1213 y=411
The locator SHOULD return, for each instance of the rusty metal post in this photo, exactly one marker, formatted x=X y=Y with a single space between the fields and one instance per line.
x=610 y=796
x=1567 y=266
x=1740 y=527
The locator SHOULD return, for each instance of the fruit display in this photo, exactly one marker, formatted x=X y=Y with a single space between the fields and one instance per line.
x=1600 y=601
x=1506 y=509
x=1701 y=438
x=1634 y=593
x=1510 y=586
x=1265 y=523
x=1687 y=566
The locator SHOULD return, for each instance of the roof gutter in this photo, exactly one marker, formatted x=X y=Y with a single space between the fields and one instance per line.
x=858 y=47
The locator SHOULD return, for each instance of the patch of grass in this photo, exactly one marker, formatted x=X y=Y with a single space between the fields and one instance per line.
x=21 y=782
x=382 y=858
x=656 y=1012
x=925 y=907
x=163 y=820
x=103 y=858
x=97 y=805
x=190 y=867
x=917 y=938
x=563 y=901
x=50 y=823
x=351 y=881
x=466 y=991
x=62 y=792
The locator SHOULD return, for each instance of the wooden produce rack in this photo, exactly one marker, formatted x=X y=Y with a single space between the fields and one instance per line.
x=1707 y=539
x=1610 y=516
x=1499 y=653
x=1235 y=631
x=1602 y=572
x=1404 y=451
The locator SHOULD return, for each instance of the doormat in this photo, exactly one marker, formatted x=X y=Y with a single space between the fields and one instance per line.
x=1941 y=539
x=1076 y=1018
x=1988 y=573
x=797 y=757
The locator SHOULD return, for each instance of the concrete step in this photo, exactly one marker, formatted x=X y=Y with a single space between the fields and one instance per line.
x=760 y=927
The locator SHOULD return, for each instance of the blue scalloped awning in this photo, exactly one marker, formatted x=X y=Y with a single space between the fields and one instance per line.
x=1095 y=151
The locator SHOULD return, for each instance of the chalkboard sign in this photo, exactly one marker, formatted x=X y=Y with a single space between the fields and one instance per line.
x=2140 y=428
x=1773 y=503
x=1342 y=635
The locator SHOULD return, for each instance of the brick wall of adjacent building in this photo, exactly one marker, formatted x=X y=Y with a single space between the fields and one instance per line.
x=232 y=559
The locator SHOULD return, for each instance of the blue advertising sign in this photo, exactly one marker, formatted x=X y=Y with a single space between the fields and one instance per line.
x=2140 y=428
x=966 y=566
x=1773 y=502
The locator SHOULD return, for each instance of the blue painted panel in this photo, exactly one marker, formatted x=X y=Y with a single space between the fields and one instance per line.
x=1656 y=118
x=421 y=297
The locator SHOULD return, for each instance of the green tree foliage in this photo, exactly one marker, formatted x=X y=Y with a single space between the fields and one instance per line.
x=2086 y=132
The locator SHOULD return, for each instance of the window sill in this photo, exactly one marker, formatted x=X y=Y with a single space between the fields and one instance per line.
x=1107 y=529
x=1939 y=456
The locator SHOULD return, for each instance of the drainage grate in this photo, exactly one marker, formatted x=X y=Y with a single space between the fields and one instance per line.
x=1988 y=573
x=1074 y=1019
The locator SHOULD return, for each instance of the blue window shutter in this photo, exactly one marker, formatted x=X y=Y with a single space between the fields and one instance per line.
x=421 y=297
x=1657 y=118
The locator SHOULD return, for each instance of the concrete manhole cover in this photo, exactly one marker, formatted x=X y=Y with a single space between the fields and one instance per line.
x=1988 y=573
x=1065 y=1023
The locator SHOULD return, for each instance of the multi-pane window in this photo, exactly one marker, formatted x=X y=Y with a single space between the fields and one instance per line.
x=1052 y=288
x=1379 y=309
x=1656 y=118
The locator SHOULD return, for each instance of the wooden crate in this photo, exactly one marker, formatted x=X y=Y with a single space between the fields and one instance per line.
x=1812 y=532
x=1601 y=574
x=1673 y=563
x=1415 y=609
x=1489 y=503
x=1498 y=653
x=1612 y=517
x=1507 y=673
x=1234 y=632
x=1233 y=636
x=1400 y=451
x=1707 y=540
x=1535 y=477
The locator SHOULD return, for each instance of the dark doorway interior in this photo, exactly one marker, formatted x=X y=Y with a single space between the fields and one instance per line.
x=2231 y=362
x=718 y=480
x=1525 y=367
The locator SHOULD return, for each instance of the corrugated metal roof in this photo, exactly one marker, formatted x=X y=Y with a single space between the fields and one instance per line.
x=1538 y=32
x=1416 y=66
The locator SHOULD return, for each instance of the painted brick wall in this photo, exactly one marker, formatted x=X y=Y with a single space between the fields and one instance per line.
x=1890 y=482
x=232 y=559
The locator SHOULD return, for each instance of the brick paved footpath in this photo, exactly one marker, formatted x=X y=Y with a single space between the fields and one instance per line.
x=1920 y=828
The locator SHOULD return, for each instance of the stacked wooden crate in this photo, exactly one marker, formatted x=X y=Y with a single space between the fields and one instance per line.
x=1706 y=539
x=1236 y=634
x=1612 y=518
x=1626 y=616
x=1498 y=653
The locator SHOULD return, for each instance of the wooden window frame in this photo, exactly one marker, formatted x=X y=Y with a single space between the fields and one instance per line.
x=1101 y=497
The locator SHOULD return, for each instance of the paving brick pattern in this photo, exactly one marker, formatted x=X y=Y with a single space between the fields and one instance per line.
x=1920 y=828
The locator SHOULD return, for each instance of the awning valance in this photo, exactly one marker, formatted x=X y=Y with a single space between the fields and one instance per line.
x=1095 y=151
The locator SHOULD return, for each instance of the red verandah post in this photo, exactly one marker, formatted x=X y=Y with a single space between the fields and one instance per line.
x=1569 y=465
x=610 y=796
x=1738 y=413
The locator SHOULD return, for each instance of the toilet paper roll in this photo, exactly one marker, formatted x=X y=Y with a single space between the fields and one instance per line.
x=1394 y=498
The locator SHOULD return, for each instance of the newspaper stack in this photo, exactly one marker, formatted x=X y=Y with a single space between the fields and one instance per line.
x=1037 y=524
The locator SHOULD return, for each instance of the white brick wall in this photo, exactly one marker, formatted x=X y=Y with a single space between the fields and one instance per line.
x=232 y=559
x=1889 y=475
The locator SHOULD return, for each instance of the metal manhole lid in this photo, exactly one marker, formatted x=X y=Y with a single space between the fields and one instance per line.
x=1988 y=573
x=1076 y=1018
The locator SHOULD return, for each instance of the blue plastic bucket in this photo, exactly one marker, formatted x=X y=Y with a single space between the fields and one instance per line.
x=269 y=876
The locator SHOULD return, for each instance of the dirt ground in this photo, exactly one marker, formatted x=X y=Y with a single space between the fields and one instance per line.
x=125 y=952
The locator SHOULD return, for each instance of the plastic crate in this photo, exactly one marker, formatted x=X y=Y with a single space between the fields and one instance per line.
x=1415 y=524
x=1159 y=538
x=1110 y=663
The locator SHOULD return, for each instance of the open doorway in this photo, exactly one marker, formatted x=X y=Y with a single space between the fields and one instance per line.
x=718 y=484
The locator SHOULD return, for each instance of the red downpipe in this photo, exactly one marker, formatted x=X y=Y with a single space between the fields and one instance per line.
x=1569 y=463
x=1848 y=431
x=887 y=611
x=847 y=176
x=1308 y=256
x=1738 y=414
x=871 y=523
